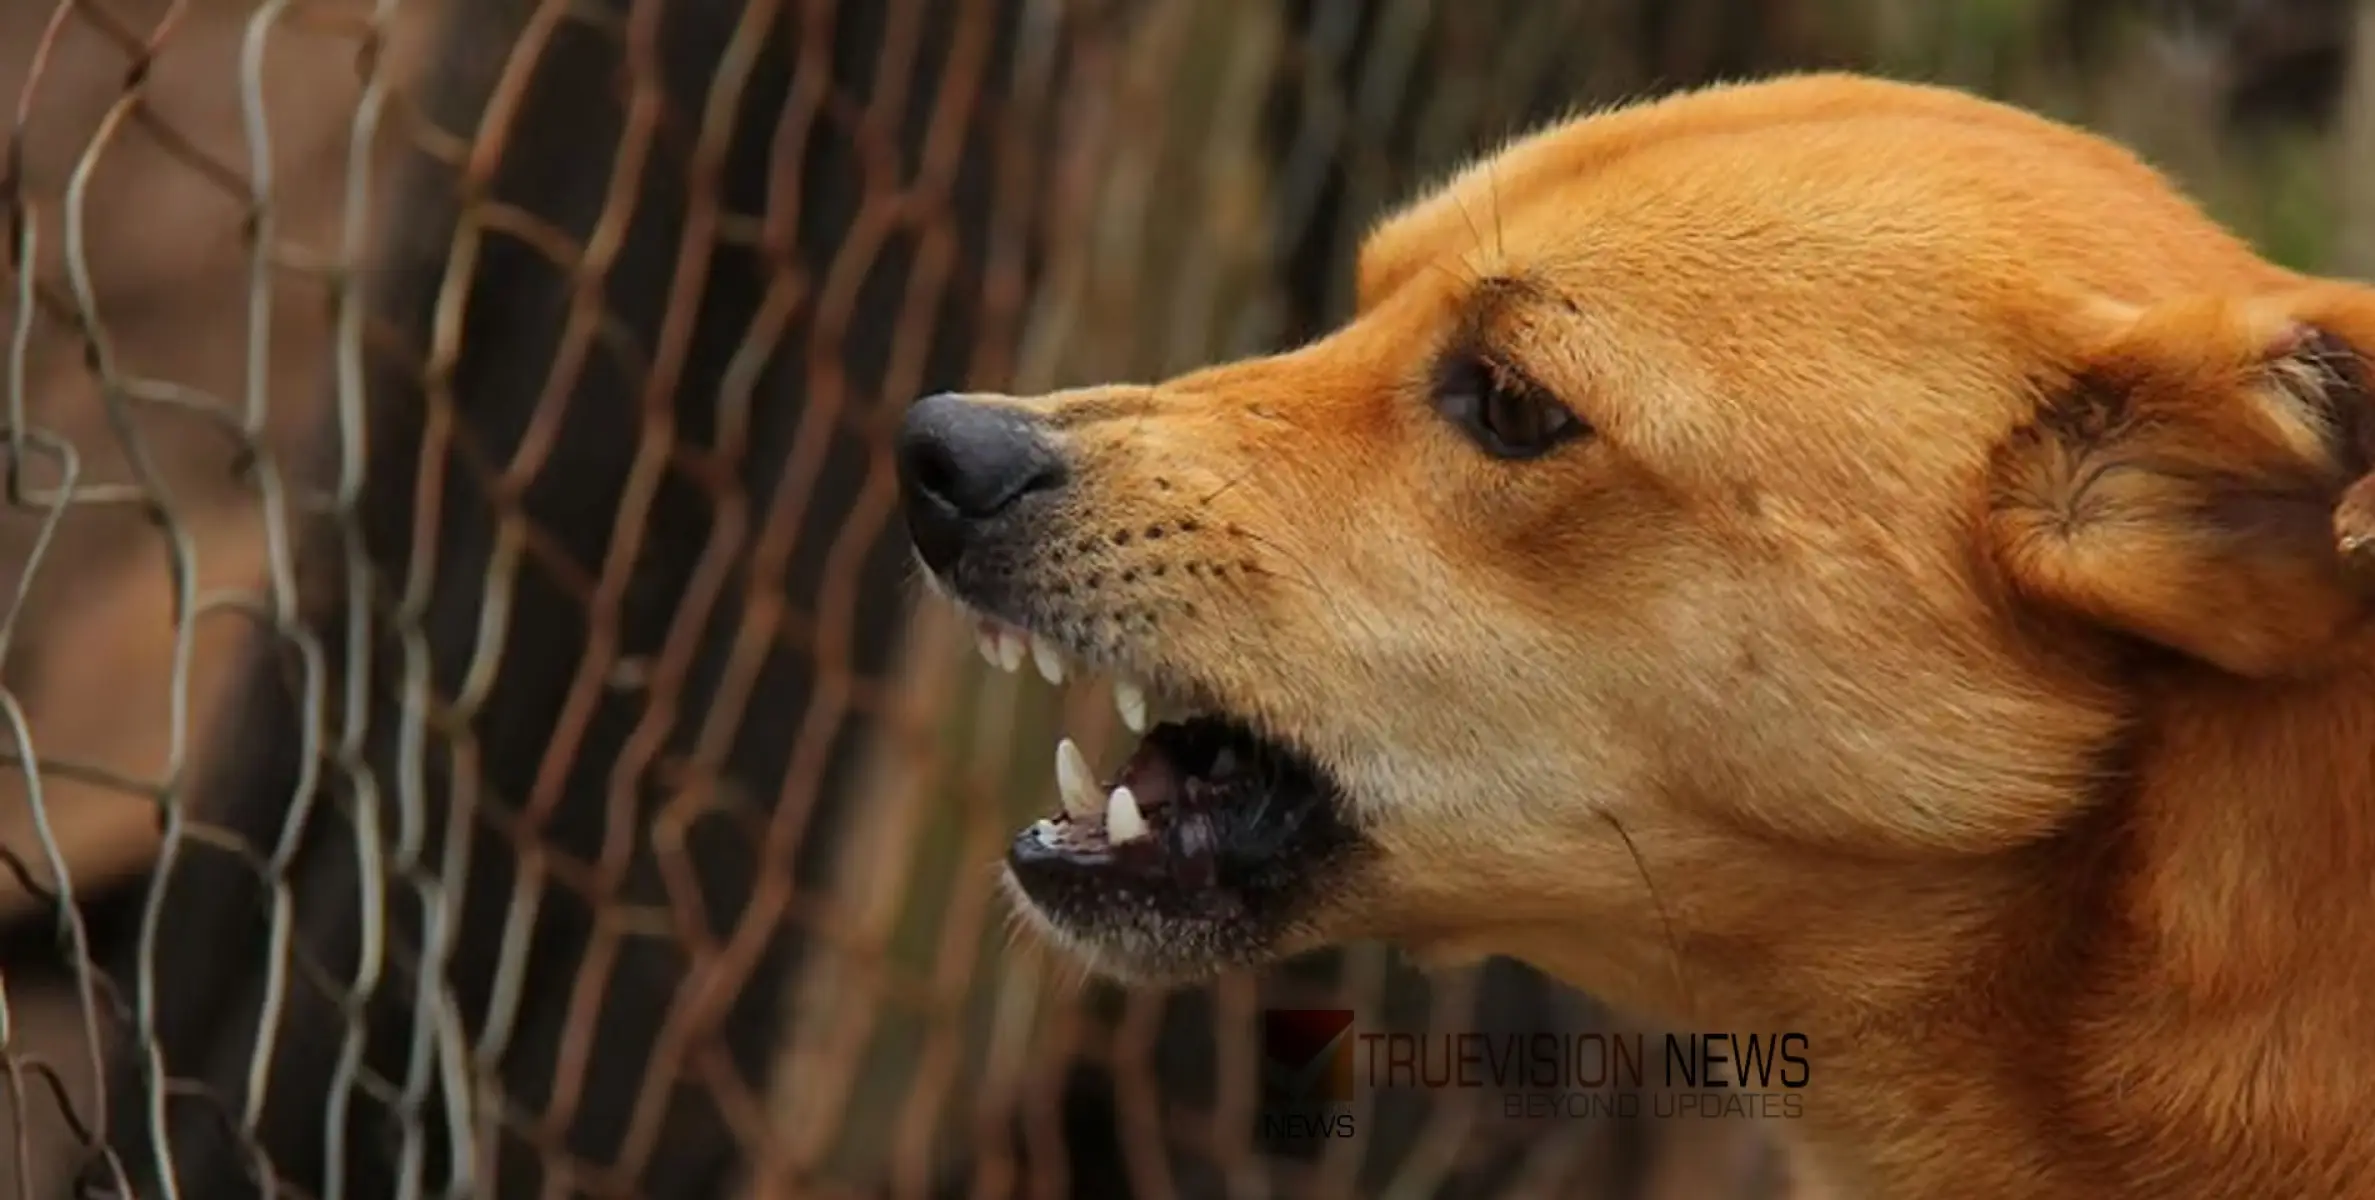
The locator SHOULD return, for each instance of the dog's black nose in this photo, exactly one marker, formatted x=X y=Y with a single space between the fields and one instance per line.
x=963 y=463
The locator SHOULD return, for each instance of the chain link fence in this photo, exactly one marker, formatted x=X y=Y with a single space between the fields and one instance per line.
x=470 y=732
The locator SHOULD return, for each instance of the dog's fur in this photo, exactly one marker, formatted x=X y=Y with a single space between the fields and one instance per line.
x=1939 y=645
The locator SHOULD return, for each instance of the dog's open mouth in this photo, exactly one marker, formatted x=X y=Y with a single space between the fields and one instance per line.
x=1206 y=817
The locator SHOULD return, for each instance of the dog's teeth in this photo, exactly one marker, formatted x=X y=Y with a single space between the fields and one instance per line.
x=1224 y=763
x=985 y=638
x=1011 y=649
x=1075 y=783
x=1049 y=660
x=1131 y=700
x=1122 y=820
x=1043 y=829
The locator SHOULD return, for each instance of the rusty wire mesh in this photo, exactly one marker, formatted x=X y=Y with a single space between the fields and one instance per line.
x=474 y=735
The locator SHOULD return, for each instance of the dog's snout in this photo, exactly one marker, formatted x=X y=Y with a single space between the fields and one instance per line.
x=962 y=464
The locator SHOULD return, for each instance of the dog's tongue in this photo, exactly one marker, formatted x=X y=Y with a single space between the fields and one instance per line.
x=1151 y=776
x=1163 y=785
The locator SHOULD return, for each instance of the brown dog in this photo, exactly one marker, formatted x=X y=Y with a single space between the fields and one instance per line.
x=1824 y=555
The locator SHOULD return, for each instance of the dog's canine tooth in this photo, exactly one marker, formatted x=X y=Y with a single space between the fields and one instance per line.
x=1049 y=660
x=1123 y=823
x=1224 y=763
x=1075 y=783
x=1011 y=649
x=985 y=639
x=1130 y=698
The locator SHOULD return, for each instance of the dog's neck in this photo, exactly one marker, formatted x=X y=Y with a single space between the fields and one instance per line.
x=2166 y=999
x=2196 y=1010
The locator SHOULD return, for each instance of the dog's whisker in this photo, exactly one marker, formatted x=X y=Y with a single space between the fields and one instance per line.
x=1458 y=280
x=1674 y=954
x=1492 y=180
x=1475 y=232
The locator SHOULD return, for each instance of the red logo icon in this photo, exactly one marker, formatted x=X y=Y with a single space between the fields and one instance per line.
x=1307 y=1055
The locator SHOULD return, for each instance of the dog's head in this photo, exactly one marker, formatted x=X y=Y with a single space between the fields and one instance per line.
x=1791 y=473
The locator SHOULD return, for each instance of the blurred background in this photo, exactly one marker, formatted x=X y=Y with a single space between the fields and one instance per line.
x=469 y=732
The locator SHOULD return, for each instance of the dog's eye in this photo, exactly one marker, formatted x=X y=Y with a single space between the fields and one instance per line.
x=1503 y=412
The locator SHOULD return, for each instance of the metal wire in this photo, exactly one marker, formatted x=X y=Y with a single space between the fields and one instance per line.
x=471 y=733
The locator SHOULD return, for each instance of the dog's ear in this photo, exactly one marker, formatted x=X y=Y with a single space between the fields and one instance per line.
x=2200 y=480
